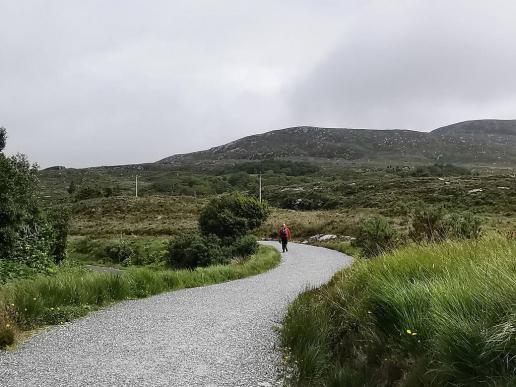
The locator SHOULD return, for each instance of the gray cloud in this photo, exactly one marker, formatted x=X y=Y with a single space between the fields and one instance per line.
x=97 y=82
x=416 y=65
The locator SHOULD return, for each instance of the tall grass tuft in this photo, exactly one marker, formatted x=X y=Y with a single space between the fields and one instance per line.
x=72 y=293
x=424 y=315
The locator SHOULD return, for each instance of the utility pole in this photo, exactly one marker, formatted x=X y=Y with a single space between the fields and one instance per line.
x=136 y=186
x=260 y=186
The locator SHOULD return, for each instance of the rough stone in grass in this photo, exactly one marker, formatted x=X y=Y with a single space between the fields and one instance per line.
x=322 y=237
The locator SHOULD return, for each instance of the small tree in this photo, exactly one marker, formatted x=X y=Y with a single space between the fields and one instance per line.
x=232 y=216
x=18 y=200
x=27 y=233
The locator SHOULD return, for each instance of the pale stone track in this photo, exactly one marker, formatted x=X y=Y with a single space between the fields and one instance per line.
x=219 y=335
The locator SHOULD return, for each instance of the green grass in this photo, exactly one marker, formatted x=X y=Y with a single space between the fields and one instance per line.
x=425 y=315
x=344 y=247
x=152 y=215
x=71 y=293
x=172 y=198
x=93 y=249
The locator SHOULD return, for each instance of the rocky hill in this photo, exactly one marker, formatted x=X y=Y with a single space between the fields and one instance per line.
x=481 y=142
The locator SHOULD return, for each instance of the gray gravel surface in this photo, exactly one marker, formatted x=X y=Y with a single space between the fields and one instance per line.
x=219 y=335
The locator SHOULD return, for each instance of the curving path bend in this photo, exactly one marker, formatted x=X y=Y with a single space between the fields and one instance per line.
x=218 y=335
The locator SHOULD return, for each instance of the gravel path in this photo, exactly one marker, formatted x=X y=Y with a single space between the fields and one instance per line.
x=219 y=335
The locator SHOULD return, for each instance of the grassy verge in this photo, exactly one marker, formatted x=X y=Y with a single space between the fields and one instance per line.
x=344 y=247
x=422 y=316
x=95 y=250
x=71 y=293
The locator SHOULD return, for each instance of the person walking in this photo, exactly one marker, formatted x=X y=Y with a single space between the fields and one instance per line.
x=284 y=236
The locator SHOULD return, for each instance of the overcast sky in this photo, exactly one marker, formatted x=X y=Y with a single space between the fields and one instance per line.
x=86 y=83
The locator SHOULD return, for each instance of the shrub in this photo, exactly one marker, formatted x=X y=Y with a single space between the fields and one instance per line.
x=245 y=246
x=376 y=235
x=18 y=200
x=432 y=223
x=11 y=270
x=463 y=226
x=121 y=252
x=231 y=216
x=428 y=223
x=27 y=234
x=59 y=219
x=191 y=250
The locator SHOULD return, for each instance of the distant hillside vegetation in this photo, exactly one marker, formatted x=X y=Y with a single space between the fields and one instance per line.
x=481 y=142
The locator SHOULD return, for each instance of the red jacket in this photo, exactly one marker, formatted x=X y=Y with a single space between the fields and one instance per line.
x=289 y=234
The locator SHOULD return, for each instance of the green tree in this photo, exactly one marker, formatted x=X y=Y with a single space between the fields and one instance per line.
x=18 y=200
x=232 y=216
x=27 y=233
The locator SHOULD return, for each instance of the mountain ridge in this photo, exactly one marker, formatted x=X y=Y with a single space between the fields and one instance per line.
x=486 y=142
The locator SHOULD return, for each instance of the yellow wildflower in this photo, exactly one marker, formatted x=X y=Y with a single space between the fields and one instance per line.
x=409 y=332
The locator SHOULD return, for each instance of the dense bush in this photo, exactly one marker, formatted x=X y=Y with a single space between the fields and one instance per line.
x=463 y=226
x=375 y=236
x=435 y=223
x=191 y=250
x=28 y=235
x=18 y=200
x=428 y=223
x=285 y=167
x=232 y=216
x=244 y=246
x=121 y=252
x=33 y=246
x=11 y=270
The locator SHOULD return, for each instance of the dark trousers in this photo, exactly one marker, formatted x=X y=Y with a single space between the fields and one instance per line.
x=284 y=244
